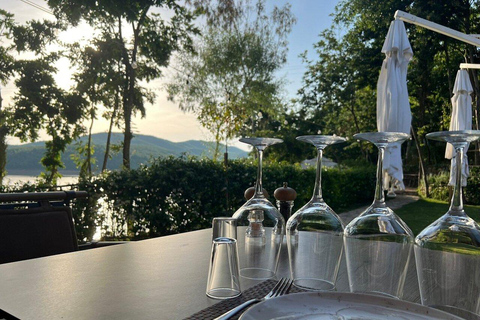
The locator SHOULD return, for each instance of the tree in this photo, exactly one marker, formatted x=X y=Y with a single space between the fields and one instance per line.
x=230 y=80
x=99 y=79
x=39 y=102
x=6 y=72
x=341 y=84
x=140 y=54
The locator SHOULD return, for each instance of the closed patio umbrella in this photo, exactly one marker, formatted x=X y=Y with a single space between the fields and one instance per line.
x=393 y=107
x=461 y=120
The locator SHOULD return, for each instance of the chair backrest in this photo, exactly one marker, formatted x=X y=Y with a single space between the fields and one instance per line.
x=36 y=229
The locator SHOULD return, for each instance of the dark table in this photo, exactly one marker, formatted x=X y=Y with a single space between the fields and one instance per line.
x=161 y=278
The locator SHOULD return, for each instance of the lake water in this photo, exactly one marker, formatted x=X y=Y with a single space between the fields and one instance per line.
x=12 y=179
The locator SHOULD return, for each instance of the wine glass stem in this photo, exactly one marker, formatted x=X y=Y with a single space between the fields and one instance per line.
x=258 y=185
x=317 y=191
x=379 y=196
x=457 y=201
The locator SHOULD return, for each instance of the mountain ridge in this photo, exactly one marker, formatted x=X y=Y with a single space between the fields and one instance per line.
x=25 y=158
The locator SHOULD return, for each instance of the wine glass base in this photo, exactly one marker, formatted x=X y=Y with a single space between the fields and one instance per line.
x=312 y=284
x=257 y=273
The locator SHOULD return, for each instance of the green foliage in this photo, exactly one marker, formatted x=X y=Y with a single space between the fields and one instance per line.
x=83 y=158
x=6 y=57
x=39 y=103
x=174 y=195
x=339 y=90
x=35 y=36
x=229 y=83
x=438 y=186
x=439 y=189
x=132 y=44
x=472 y=191
x=7 y=62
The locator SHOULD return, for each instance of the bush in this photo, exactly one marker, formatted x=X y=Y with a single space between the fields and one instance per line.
x=472 y=191
x=439 y=189
x=173 y=195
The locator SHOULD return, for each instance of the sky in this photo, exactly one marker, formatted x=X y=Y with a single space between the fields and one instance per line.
x=163 y=118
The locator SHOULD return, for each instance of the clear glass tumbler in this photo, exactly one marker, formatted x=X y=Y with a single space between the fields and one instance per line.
x=378 y=244
x=447 y=252
x=223 y=278
x=315 y=233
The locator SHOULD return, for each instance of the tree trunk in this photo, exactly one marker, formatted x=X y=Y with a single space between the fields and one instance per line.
x=128 y=107
x=127 y=112
x=355 y=120
x=421 y=164
x=109 y=135
x=127 y=101
x=449 y=74
x=3 y=144
x=127 y=138
x=89 y=150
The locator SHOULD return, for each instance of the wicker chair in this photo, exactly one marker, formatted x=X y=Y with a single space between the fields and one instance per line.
x=34 y=225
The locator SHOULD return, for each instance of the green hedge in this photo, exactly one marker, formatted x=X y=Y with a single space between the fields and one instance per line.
x=439 y=189
x=173 y=195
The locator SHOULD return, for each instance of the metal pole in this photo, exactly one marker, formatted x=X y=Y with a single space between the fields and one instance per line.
x=410 y=18
x=469 y=66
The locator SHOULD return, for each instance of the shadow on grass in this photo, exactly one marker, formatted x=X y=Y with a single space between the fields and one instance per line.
x=417 y=215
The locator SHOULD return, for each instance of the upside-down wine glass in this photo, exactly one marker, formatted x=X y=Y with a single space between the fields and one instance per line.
x=447 y=252
x=260 y=226
x=315 y=233
x=378 y=244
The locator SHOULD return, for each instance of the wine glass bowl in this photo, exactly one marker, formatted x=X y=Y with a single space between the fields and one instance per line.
x=321 y=141
x=314 y=233
x=382 y=138
x=260 y=226
x=260 y=142
x=455 y=137
x=378 y=243
x=448 y=250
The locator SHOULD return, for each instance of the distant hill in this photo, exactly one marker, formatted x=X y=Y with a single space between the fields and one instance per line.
x=25 y=159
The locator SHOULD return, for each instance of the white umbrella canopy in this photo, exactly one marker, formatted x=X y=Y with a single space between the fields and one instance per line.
x=461 y=120
x=393 y=107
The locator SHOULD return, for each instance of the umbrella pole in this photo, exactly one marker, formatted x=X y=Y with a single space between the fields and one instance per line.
x=422 y=166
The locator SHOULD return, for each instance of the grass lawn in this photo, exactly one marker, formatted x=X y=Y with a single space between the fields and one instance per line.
x=419 y=214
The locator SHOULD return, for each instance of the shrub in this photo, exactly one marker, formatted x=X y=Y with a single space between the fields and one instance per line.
x=173 y=195
x=439 y=189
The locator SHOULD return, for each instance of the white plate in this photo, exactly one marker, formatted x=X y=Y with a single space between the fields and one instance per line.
x=341 y=306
